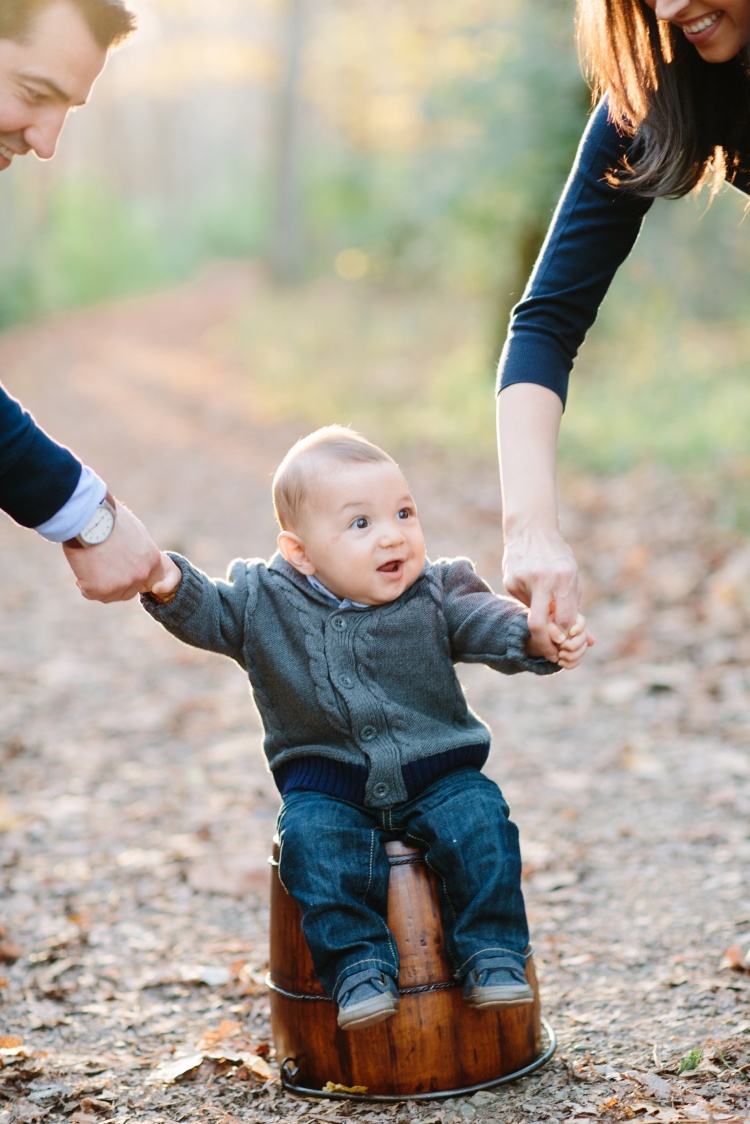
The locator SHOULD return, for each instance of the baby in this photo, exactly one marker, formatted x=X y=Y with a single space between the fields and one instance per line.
x=349 y=637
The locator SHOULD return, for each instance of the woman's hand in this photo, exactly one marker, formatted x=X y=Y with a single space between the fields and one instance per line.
x=540 y=571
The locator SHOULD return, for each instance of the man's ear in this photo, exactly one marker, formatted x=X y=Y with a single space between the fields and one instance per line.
x=293 y=549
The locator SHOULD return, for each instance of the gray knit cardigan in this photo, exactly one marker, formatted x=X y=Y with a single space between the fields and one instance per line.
x=373 y=687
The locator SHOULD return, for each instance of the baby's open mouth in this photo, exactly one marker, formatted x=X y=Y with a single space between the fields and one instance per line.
x=390 y=567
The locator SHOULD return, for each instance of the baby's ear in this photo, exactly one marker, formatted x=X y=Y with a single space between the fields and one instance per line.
x=293 y=549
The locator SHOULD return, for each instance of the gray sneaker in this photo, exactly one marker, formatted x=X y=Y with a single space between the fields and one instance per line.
x=366 y=998
x=496 y=987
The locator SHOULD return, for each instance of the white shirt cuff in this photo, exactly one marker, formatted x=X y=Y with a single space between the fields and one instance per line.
x=75 y=514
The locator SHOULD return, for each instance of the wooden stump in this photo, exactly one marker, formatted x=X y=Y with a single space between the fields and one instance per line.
x=434 y=1043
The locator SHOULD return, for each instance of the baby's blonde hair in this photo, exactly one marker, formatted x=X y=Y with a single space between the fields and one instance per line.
x=300 y=471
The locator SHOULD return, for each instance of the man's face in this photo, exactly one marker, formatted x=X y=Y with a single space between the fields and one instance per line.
x=43 y=78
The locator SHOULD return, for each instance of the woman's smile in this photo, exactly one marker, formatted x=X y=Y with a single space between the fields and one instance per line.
x=700 y=29
x=718 y=34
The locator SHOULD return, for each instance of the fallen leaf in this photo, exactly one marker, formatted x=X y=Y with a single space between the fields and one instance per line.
x=710 y=1112
x=253 y=982
x=654 y=1085
x=734 y=958
x=96 y=1107
x=256 y=1066
x=334 y=1087
x=178 y=1067
x=227 y=1028
x=10 y=950
x=11 y=1047
x=661 y=1112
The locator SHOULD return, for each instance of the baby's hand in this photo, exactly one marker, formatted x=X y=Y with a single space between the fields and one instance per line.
x=573 y=648
x=165 y=588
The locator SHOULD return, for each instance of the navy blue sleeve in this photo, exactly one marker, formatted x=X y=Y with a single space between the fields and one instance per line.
x=592 y=232
x=37 y=476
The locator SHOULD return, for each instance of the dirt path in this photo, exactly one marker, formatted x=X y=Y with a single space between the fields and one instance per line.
x=136 y=814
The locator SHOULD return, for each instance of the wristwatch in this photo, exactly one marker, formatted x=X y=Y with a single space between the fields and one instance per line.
x=99 y=527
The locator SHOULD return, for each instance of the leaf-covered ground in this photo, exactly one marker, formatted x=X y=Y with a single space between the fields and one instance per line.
x=136 y=813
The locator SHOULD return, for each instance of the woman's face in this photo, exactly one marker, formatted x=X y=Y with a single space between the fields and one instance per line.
x=717 y=33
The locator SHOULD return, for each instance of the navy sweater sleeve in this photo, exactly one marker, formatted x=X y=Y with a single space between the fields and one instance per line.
x=37 y=476
x=592 y=232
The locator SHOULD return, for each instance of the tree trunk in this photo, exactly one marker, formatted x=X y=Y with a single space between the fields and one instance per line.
x=287 y=246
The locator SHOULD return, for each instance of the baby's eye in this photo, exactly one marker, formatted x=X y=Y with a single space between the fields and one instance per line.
x=361 y=523
x=405 y=513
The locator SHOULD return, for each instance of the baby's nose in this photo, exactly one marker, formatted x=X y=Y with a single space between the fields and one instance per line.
x=391 y=532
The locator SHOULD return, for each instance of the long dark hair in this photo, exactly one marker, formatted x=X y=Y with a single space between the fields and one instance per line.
x=690 y=119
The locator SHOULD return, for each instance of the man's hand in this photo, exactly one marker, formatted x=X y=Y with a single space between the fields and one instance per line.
x=129 y=562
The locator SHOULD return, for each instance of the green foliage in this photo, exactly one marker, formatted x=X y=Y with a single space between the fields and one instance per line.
x=410 y=367
x=663 y=376
x=406 y=369
x=691 y=1061
x=467 y=210
x=92 y=244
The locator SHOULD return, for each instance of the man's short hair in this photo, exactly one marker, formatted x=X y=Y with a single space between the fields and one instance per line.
x=304 y=465
x=109 y=21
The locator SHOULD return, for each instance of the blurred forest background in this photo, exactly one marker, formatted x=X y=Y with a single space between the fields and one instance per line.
x=390 y=170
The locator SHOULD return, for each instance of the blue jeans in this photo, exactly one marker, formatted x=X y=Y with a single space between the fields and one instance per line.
x=333 y=862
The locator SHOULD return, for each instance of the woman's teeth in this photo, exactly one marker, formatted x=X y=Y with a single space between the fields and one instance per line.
x=702 y=24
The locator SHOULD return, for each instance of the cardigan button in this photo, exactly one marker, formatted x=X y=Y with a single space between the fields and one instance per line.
x=380 y=790
x=339 y=623
x=347 y=681
x=368 y=733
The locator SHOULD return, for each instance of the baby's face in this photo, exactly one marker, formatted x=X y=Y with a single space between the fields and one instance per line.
x=362 y=534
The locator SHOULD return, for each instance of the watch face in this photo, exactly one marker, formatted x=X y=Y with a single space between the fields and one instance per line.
x=99 y=527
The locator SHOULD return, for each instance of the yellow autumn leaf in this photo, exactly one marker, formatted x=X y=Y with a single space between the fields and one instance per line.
x=334 y=1087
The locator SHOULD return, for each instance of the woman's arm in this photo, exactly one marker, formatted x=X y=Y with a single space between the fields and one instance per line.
x=591 y=234
x=538 y=565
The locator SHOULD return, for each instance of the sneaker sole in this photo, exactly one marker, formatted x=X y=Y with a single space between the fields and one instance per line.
x=358 y=1020
x=364 y=1021
x=487 y=1001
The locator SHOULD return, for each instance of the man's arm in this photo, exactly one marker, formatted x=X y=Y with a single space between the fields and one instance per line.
x=43 y=485
x=37 y=476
